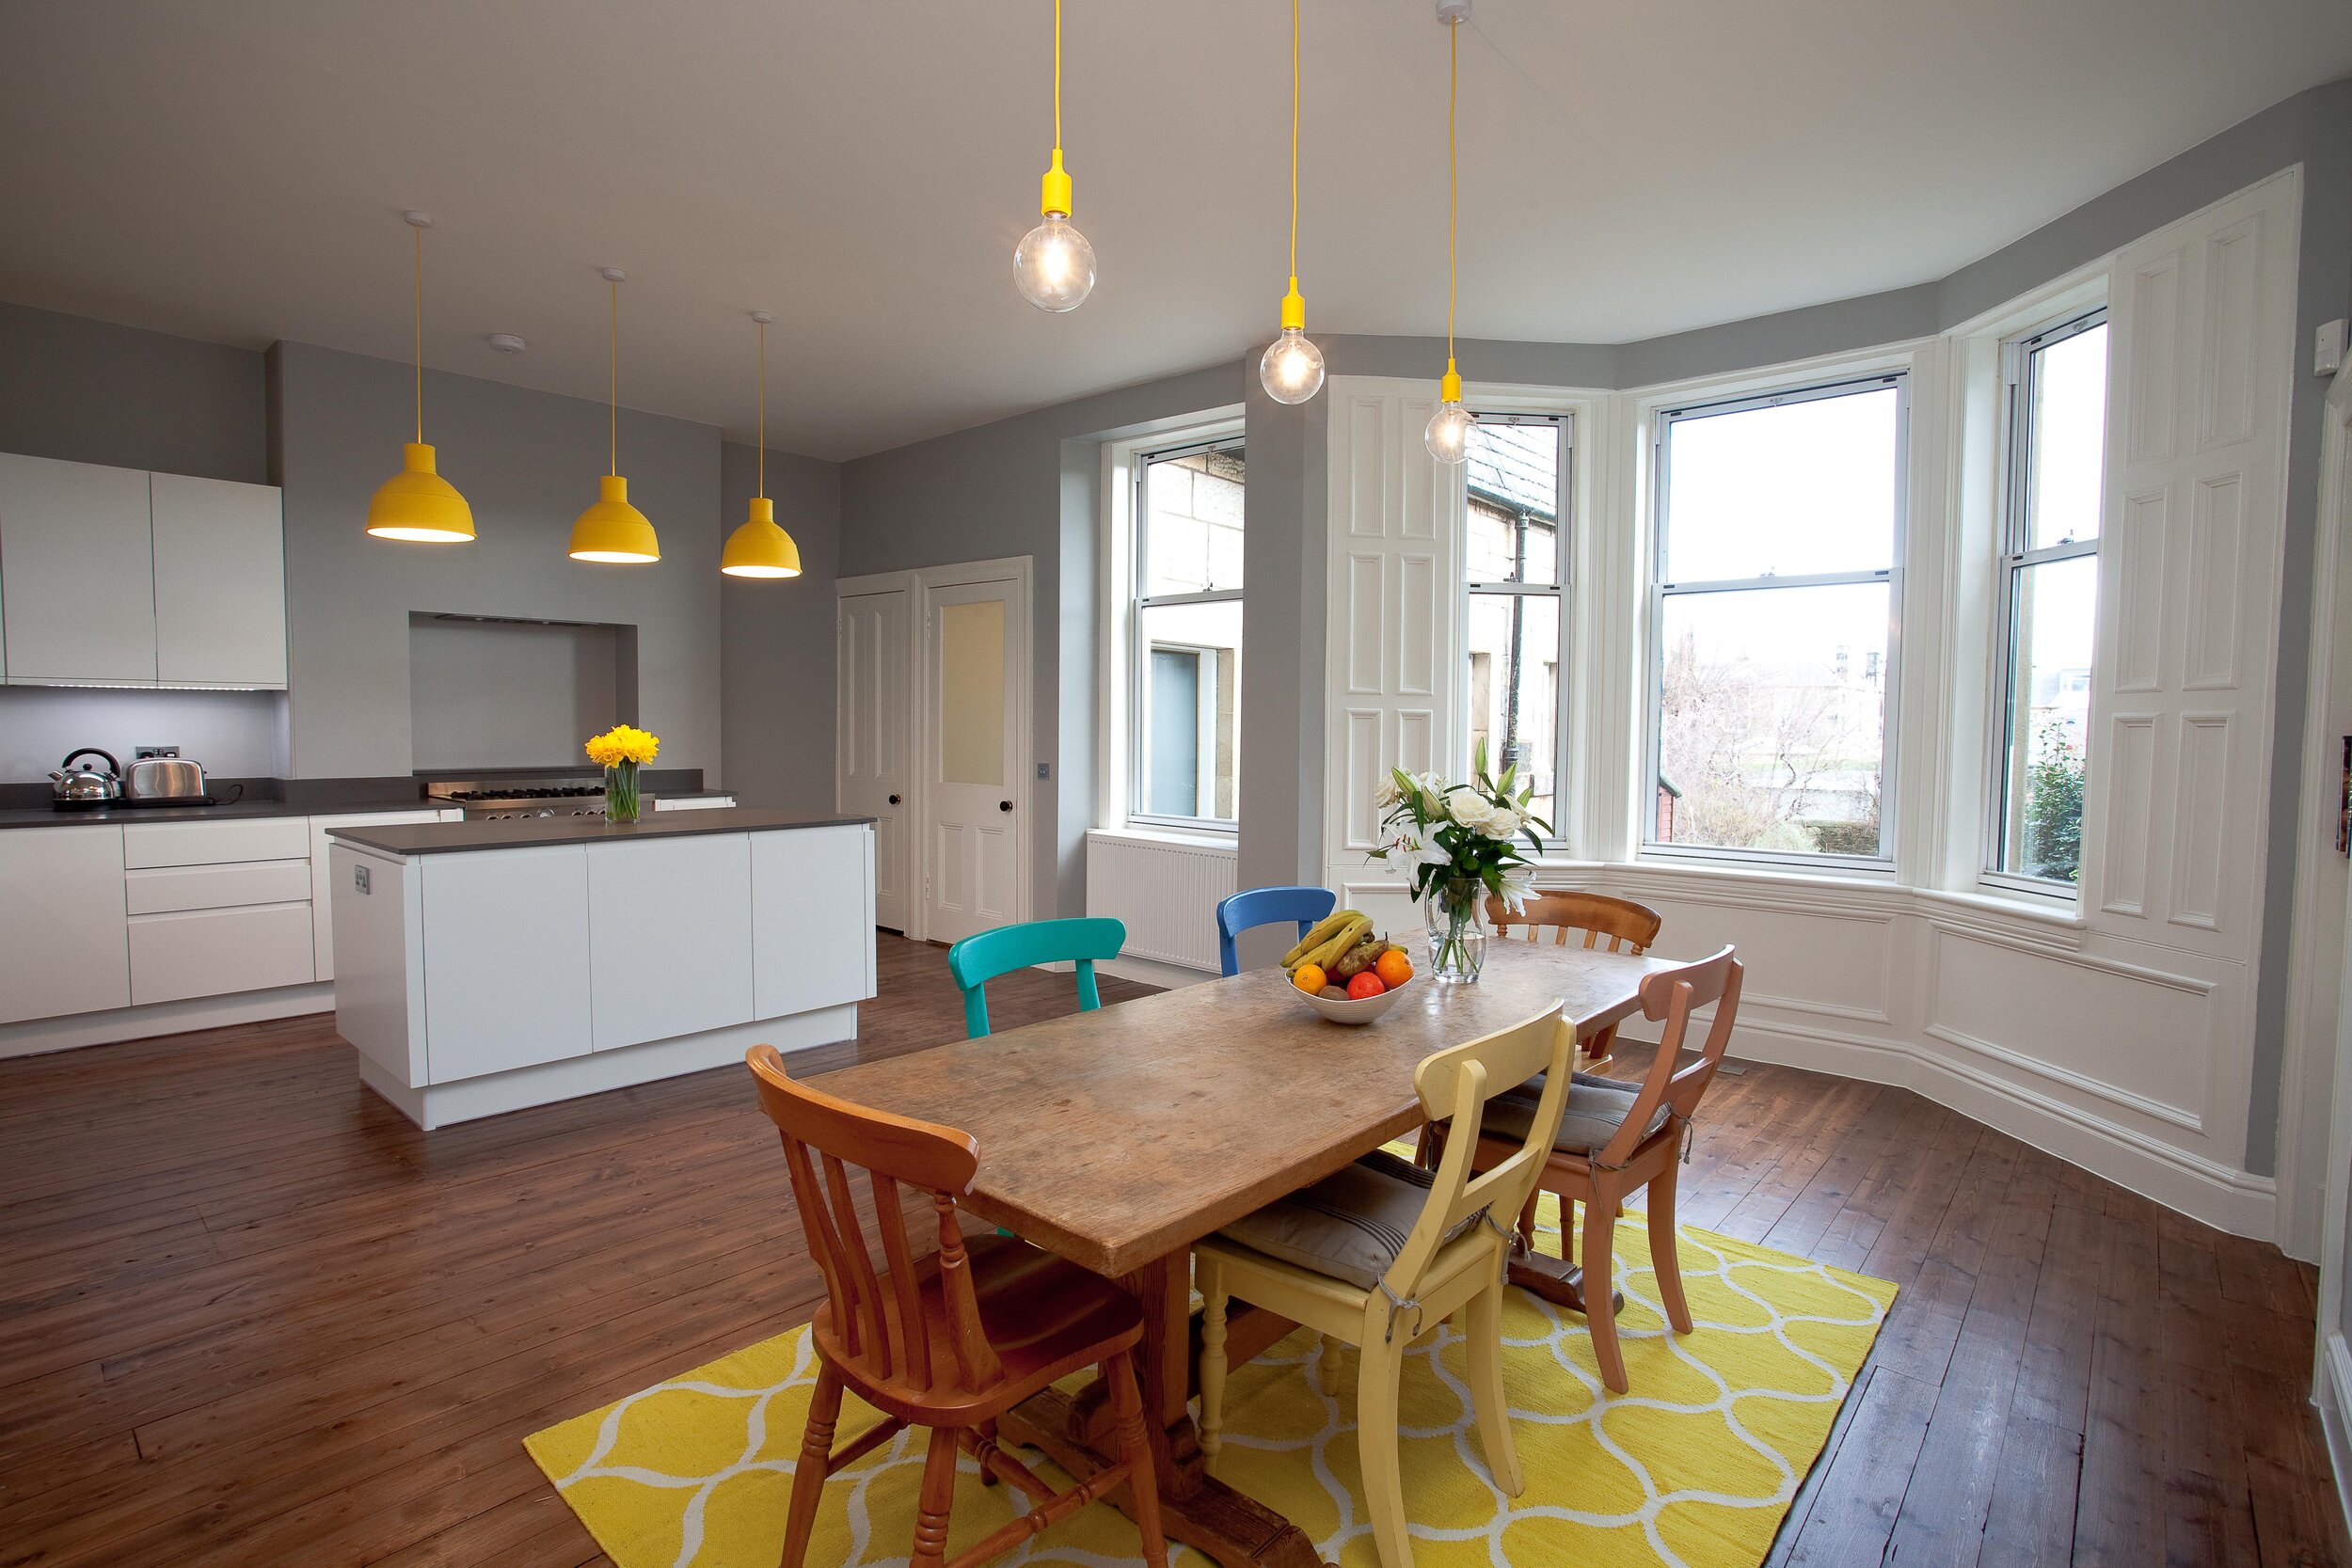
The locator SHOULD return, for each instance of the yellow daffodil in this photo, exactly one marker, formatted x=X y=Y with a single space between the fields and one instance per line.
x=623 y=743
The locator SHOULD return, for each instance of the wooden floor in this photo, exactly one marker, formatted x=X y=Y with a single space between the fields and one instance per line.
x=251 y=1316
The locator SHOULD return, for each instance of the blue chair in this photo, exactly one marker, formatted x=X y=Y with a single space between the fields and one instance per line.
x=977 y=959
x=1263 y=906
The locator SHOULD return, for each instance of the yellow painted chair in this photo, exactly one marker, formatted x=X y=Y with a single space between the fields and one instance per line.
x=1379 y=1252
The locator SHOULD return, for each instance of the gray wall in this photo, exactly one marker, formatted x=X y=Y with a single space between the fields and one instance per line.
x=1027 y=486
x=776 y=639
x=89 y=392
x=510 y=694
x=527 y=462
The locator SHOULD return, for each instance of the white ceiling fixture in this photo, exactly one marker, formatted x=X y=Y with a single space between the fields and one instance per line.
x=1633 y=171
x=506 y=342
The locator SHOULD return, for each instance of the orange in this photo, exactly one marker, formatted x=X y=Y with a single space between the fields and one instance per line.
x=1394 y=968
x=1310 y=979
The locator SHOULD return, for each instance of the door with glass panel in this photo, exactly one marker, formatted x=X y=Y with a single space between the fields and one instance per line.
x=974 y=666
x=873 y=778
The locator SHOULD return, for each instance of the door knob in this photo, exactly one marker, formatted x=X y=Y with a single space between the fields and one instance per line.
x=894 y=800
x=1003 y=805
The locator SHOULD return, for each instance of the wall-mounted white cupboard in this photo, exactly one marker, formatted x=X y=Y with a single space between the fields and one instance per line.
x=118 y=577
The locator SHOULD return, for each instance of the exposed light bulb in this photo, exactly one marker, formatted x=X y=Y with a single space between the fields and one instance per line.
x=1292 y=367
x=1449 y=432
x=1054 y=265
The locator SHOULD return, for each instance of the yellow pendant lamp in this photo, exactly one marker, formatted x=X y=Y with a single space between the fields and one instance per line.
x=1291 y=370
x=759 y=549
x=1054 y=265
x=1449 y=432
x=612 y=530
x=417 y=505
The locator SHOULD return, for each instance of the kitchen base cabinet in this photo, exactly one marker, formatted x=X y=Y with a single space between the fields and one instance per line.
x=323 y=895
x=507 y=972
x=208 y=952
x=670 y=937
x=63 y=943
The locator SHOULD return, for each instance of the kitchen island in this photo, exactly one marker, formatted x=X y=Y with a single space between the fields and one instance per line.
x=486 y=966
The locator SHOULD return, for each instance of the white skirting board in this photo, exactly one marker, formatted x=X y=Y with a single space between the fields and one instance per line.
x=2333 y=1393
x=164 y=1017
x=470 y=1098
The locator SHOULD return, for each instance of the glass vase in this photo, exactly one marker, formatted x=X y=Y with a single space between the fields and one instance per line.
x=1454 y=912
x=620 y=792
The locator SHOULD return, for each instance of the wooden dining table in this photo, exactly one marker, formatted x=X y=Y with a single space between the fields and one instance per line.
x=1118 y=1137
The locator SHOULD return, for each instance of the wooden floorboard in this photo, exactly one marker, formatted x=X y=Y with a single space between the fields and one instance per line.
x=249 y=1315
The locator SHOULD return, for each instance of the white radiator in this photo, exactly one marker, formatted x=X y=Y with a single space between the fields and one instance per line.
x=1165 y=890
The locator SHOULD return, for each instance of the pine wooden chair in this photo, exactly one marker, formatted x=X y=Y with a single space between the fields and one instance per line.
x=1254 y=907
x=1613 y=1140
x=1081 y=943
x=949 y=1342
x=1630 y=927
x=1379 y=1252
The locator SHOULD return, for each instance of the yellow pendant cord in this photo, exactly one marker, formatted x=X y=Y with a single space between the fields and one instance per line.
x=1453 y=177
x=763 y=408
x=1057 y=80
x=1293 y=143
x=420 y=232
x=613 y=379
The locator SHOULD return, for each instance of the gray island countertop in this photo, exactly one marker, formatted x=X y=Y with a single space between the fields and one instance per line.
x=434 y=838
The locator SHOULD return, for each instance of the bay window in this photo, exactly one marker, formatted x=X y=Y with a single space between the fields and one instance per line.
x=2048 y=598
x=1775 y=598
x=1184 y=658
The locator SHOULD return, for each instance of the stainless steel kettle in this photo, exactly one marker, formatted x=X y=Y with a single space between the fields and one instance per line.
x=86 y=788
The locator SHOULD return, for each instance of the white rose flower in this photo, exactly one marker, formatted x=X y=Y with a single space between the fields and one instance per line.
x=1387 y=797
x=1468 y=807
x=1503 y=823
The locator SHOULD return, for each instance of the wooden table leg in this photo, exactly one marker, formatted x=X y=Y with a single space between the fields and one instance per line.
x=1239 y=1531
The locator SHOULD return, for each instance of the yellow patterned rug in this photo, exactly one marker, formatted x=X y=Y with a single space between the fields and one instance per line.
x=1693 y=1468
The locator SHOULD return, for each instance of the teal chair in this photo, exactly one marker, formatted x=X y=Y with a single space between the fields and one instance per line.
x=976 y=960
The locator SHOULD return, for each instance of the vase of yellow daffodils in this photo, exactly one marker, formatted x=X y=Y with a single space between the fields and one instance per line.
x=621 y=750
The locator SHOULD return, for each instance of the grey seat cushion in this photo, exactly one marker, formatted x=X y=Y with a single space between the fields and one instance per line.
x=1596 y=1108
x=1351 y=1224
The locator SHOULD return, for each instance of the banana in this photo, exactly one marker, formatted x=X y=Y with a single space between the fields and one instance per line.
x=1346 y=938
x=1325 y=930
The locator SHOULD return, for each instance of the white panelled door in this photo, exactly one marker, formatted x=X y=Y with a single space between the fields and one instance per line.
x=873 y=778
x=975 y=670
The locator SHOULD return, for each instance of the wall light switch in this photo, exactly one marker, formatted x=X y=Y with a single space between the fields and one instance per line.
x=2328 y=347
x=155 y=752
x=1044 y=769
x=360 y=878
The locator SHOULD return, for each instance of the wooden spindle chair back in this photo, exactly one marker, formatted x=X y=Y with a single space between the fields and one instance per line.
x=1629 y=926
x=878 y=1316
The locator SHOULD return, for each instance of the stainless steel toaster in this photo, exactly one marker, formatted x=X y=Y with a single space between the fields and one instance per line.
x=164 y=779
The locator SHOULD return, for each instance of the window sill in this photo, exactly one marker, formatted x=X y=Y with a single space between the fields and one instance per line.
x=2064 y=913
x=1155 y=834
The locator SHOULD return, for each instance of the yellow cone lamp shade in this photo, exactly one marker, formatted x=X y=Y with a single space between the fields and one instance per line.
x=418 y=505
x=613 y=530
x=759 y=549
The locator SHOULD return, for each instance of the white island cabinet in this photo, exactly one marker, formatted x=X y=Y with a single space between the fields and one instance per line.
x=486 y=966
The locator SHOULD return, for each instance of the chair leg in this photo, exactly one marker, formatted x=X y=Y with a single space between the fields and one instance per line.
x=988 y=1432
x=808 y=1473
x=1376 y=1452
x=1211 y=1280
x=1527 y=1224
x=1601 y=1307
x=1663 y=1255
x=937 y=1496
x=1134 y=1446
x=1490 y=1396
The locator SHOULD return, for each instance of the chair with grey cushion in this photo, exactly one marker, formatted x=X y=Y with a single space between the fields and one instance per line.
x=1615 y=1139
x=1379 y=1252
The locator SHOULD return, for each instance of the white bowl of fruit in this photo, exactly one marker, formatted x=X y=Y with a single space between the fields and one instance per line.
x=1346 y=973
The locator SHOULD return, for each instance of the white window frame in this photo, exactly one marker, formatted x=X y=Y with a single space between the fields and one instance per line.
x=1139 y=667
x=2013 y=541
x=1560 y=590
x=1662 y=432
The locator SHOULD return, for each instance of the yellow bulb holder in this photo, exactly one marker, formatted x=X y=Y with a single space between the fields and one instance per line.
x=612 y=530
x=760 y=549
x=1450 y=383
x=1293 y=309
x=417 y=506
x=1054 y=196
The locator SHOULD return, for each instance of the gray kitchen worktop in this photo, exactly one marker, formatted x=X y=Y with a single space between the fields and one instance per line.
x=49 y=816
x=434 y=838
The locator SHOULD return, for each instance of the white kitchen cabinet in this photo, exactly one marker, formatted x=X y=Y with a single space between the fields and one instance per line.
x=322 y=871
x=215 y=951
x=214 y=843
x=220 y=582
x=77 y=586
x=62 y=941
x=505 y=959
x=669 y=936
x=811 y=918
x=169 y=889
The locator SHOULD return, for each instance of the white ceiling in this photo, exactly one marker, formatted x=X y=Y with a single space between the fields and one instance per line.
x=234 y=171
